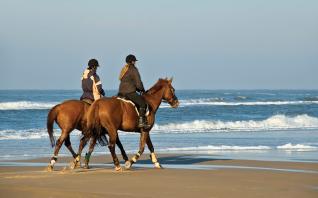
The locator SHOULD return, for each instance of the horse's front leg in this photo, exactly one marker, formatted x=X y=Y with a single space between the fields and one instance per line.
x=143 y=139
x=89 y=153
x=153 y=156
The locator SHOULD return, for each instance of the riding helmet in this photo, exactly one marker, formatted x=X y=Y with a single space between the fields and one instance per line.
x=93 y=63
x=130 y=58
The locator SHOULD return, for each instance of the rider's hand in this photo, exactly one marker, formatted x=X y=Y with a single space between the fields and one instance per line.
x=102 y=92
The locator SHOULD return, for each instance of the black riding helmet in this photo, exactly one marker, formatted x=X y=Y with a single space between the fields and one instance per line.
x=130 y=58
x=93 y=63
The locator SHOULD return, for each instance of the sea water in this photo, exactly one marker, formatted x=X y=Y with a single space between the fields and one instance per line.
x=222 y=124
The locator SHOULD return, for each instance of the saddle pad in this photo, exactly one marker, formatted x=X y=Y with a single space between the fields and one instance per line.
x=132 y=103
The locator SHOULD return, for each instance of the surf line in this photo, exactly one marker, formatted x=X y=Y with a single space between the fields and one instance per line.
x=170 y=166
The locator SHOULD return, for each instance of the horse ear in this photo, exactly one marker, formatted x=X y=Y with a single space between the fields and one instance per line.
x=170 y=80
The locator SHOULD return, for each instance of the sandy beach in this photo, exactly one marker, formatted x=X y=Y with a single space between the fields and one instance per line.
x=183 y=176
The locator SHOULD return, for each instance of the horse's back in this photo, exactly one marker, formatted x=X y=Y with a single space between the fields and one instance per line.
x=121 y=114
x=70 y=113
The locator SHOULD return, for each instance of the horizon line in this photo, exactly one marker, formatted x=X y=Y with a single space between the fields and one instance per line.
x=193 y=89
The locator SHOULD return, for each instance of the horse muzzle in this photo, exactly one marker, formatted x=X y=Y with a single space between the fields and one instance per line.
x=175 y=104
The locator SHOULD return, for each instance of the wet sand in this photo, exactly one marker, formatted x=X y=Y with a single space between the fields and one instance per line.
x=184 y=176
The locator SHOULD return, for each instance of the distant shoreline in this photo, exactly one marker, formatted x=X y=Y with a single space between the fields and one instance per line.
x=199 y=89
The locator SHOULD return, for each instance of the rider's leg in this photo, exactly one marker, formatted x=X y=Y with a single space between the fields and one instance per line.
x=142 y=105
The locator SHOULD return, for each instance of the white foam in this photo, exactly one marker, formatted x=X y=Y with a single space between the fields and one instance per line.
x=277 y=122
x=30 y=134
x=212 y=102
x=20 y=105
x=286 y=147
x=218 y=148
x=297 y=147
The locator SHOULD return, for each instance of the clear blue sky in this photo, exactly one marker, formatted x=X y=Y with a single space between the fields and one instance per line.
x=269 y=44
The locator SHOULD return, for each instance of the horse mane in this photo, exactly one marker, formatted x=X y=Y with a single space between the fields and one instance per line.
x=157 y=86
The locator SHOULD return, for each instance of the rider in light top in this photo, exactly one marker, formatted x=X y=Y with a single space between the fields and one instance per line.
x=91 y=84
x=130 y=83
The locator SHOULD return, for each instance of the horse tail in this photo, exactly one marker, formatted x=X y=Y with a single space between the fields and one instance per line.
x=94 y=127
x=51 y=117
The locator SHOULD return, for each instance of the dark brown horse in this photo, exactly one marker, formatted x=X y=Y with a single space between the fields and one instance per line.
x=71 y=115
x=114 y=114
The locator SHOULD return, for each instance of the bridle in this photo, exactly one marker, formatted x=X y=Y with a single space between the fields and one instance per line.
x=173 y=101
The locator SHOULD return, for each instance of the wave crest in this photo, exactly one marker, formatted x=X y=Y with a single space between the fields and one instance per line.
x=286 y=147
x=30 y=134
x=277 y=122
x=20 y=105
x=297 y=147
x=23 y=105
x=212 y=102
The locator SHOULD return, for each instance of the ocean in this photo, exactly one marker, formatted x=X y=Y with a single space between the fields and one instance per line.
x=225 y=124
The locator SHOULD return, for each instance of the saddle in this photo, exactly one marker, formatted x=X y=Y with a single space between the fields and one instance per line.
x=132 y=103
x=87 y=101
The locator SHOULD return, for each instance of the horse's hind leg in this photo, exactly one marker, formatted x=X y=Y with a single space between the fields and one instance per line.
x=112 y=142
x=89 y=153
x=153 y=156
x=143 y=138
x=68 y=144
x=122 y=150
x=58 y=145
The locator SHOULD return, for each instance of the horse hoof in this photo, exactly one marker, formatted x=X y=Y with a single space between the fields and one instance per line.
x=74 y=165
x=118 y=168
x=158 y=166
x=86 y=166
x=128 y=165
x=49 y=168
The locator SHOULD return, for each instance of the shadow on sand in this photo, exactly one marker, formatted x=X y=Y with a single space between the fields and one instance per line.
x=181 y=159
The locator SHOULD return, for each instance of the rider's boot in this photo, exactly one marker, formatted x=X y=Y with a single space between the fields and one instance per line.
x=142 y=121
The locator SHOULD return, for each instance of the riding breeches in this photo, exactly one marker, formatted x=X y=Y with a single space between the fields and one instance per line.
x=137 y=99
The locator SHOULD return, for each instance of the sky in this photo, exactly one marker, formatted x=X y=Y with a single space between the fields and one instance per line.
x=206 y=44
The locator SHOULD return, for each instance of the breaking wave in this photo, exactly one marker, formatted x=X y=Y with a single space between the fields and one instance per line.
x=297 y=147
x=21 y=105
x=207 y=101
x=286 y=147
x=277 y=122
x=30 y=134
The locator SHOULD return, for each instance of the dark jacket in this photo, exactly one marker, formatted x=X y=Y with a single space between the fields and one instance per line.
x=91 y=85
x=130 y=82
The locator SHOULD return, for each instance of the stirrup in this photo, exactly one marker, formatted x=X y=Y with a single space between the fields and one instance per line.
x=143 y=123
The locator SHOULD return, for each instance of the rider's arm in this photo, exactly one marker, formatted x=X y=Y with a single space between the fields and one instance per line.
x=99 y=84
x=138 y=82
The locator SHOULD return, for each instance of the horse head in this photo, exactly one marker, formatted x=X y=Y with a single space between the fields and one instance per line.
x=169 y=95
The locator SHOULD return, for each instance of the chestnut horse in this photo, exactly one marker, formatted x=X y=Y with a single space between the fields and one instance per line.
x=71 y=115
x=114 y=114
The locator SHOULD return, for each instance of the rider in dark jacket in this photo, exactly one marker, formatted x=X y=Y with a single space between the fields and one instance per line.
x=91 y=84
x=130 y=83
